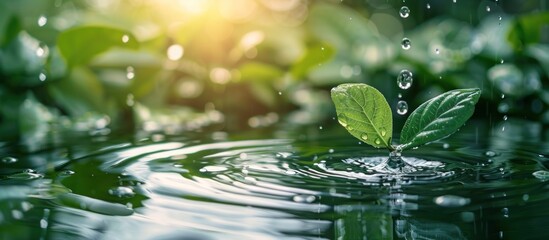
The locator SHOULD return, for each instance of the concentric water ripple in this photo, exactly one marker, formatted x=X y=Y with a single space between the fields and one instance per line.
x=280 y=188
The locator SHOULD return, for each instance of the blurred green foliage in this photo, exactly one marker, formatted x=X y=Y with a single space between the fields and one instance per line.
x=182 y=65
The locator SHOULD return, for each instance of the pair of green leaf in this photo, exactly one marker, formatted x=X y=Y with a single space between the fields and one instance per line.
x=365 y=113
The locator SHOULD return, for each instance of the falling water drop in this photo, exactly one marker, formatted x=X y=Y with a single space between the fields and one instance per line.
x=404 y=12
x=280 y=93
x=428 y=6
x=42 y=77
x=406 y=44
x=331 y=150
x=454 y=1
x=501 y=61
x=505 y=212
x=437 y=51
x=499 y=18
x=42 y=20
x=40 y=51
x=130 y=74
x=400 y=95
x=504 y=117
x=402 y=107
x=488 y=8
x=502 y=96
x=129 y=100
x=405 y=79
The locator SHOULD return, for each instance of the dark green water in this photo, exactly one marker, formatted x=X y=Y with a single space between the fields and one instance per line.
x=309 y=183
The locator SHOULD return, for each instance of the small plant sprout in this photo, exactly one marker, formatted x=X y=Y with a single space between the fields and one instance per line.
x=365 y=113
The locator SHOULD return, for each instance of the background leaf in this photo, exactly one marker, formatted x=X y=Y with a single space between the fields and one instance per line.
x=79 y=45
x=439 y=117
x=364 y=112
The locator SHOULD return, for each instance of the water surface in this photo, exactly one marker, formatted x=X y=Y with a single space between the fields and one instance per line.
x=485 y=182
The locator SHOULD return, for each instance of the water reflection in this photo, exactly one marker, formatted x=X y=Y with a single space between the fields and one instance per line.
x=286 y=185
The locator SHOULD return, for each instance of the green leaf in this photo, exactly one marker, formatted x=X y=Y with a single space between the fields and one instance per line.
x=439 y=117
x=364 y=112
x=81 y=44
x=528 y=29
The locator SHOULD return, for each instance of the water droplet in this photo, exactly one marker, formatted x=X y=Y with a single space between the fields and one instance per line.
x=304 y=198
x=16 y=214
x=406 y=43
x=505 y=212
x=125 y=38
x=9 y=160
x=490 y=153
x=428 y=6
x=400 y=95
x=364 y=137
x=402 y=107
x=27 y=174
x=383 y=132
x=404 y=12
x=42 y=77
x=129 y=100
x=41 y=51
x=243 y=156
x=451 y=201
x=501 y=61
x=130 y=74
x=320 y=127
x=488 y=8
x=42 y=20
x=437 y=51
x=405 y=79
x=454 y=1
x=279 y=93
x=445 y=145
x=175 y=52
x=541 y=175
x=502 y=96
x=504 y=117
x=525 y=197
x=67 y=173
x=331 y=150
x=121 y=192
x=43 y=223
x=342 y=121
x=499 y=18
x=378 y=141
